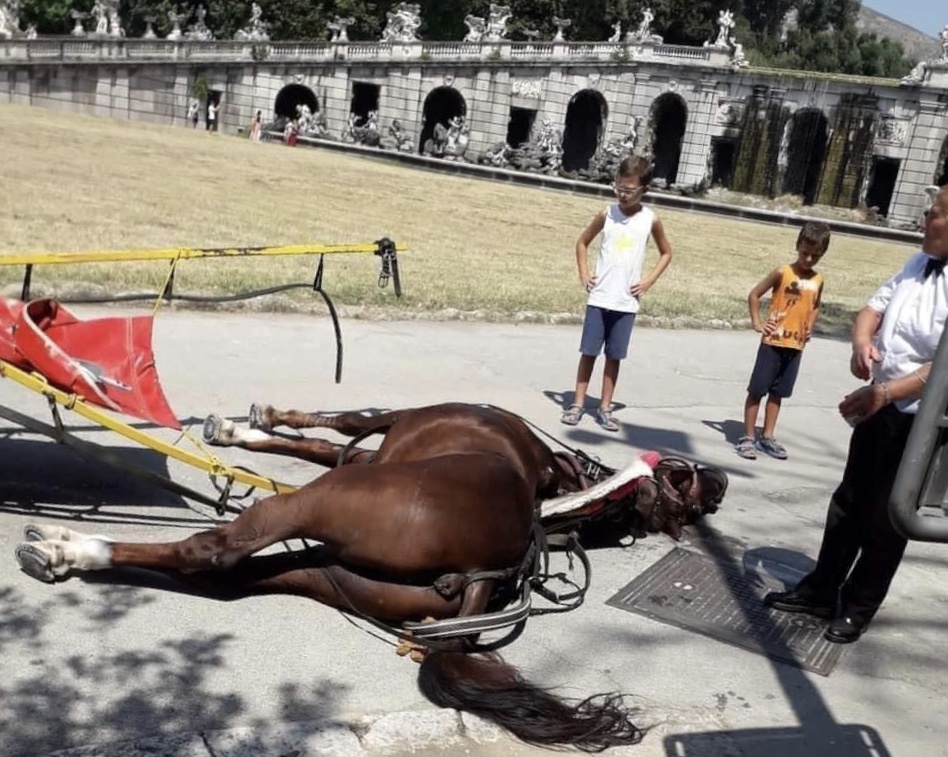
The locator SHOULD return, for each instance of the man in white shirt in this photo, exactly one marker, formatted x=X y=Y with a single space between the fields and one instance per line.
x=894 y=341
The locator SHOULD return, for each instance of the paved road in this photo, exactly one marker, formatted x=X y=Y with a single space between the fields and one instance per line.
x=87 y=662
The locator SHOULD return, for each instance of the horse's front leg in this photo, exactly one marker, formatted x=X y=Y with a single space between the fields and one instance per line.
x=50 y=552
x=267 y=418
x=222 y=432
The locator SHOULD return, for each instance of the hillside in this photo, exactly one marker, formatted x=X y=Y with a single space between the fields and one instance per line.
x=918 y=45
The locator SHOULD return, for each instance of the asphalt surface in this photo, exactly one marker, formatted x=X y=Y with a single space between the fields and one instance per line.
x=92 y=662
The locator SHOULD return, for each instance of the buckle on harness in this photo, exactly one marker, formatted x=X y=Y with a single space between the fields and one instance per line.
x=386 y=251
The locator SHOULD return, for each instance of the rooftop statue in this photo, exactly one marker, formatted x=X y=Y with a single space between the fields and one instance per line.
x=476 y=28
x=199 y=31
x=256 y=30
x=497 y=23
x=339 y=27
x=9 y=19
x=403 y=23
x=561 y=24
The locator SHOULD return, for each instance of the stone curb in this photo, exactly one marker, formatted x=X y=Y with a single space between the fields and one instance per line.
x=395 y=733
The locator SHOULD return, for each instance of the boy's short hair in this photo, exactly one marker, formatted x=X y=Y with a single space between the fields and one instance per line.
x=815 y=233
x=636 y=167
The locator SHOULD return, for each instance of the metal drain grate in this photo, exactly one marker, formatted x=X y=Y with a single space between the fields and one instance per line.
x=696 y=593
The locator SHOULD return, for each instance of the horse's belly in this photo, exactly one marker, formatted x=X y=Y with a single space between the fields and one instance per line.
x=454 y=513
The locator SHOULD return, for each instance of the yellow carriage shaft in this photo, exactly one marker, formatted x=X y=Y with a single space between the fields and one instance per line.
x=184 y=253
x=78 y=405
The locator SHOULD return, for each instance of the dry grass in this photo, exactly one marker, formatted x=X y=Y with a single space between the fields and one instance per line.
x=80 y=183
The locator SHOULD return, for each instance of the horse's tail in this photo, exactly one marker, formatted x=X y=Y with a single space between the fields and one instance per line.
x=485 y=685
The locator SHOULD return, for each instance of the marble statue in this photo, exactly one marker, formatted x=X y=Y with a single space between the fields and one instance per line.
x=149 y=28
x=9 y=18
x=31 y=32
x=725 y=25
x=561 y=24
x=398 y=138
x=943 y=36
x=115 y=22
x=256 y=30
x=645 y=26
x=476 y=28
x=403 y=23
x=77 y=28
x=916 y=75
x=175 y=18
x=101 y=15
x=738 y=59
x=339 y=27
x=199 y=31
x=449 y=141
x=497 y=23
x=616 y=33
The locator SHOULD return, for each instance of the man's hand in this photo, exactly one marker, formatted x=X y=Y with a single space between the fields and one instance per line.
x=864 y=356
x=862 y=404
x=588 y=282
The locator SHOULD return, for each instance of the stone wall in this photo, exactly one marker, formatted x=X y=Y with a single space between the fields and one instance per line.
x=745 y=124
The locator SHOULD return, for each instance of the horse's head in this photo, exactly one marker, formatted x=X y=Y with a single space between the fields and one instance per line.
x=653 y=494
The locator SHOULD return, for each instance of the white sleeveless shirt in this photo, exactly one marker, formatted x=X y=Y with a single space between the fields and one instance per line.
x=621 y=257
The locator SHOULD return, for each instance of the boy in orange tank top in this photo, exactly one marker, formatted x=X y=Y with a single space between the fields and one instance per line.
x=796 y=291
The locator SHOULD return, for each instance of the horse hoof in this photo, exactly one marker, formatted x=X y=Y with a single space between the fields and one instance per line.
x=213 y=425
x=34 y=532
x=257 y=417
x=35 y=562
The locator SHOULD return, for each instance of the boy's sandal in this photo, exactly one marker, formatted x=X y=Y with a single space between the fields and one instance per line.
x=604 y=418
x=746 y=448
x=572 y=416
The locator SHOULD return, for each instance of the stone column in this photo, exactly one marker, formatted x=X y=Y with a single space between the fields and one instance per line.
x=696 y=145
x=927 y=134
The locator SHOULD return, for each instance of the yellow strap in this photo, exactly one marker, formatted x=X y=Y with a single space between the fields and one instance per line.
x=185 y=253
x=78 y=405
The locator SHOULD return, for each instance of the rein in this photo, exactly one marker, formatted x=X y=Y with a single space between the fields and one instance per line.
x=533 y=573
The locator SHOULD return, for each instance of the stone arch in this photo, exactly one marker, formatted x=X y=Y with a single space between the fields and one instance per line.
x=806 y=151
x=292 y=95
x=669 y=120
x=941 y=172
x=441 y=105
x=585 y=124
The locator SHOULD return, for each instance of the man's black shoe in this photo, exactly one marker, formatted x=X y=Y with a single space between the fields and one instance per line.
x=798 y=601
x=844 y=631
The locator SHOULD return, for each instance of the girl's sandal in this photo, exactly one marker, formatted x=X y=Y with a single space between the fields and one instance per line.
x=572 y=416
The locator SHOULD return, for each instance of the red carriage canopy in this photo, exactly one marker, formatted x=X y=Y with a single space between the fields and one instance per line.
x=107 y=361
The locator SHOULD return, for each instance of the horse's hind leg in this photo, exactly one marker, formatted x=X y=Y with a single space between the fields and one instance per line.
x=222 y=432
x=267 y=417
x=315 y=574
x=267 y=522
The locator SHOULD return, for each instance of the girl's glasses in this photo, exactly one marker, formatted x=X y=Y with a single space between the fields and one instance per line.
x=626 y=191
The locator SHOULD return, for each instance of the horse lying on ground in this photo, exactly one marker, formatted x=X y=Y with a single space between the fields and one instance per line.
x=435 y=524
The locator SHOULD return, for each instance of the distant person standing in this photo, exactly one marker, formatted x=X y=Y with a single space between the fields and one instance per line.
x=212 y=114
x=194 y=110
x=256 y=127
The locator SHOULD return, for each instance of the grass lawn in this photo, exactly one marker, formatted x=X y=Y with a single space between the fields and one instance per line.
x=80 y=183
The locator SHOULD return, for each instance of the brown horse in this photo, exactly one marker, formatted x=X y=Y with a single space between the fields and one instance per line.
x=435 y=524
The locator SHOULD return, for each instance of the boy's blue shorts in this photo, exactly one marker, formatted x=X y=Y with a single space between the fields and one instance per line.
x=606 y=327
x=775 y=371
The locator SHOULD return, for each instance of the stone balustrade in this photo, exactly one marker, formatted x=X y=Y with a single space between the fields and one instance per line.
x=78 y=50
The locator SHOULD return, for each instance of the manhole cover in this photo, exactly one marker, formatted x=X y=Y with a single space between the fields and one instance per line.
x=696 y=593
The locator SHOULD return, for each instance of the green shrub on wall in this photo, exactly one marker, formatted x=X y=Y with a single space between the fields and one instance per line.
x=201 y=87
